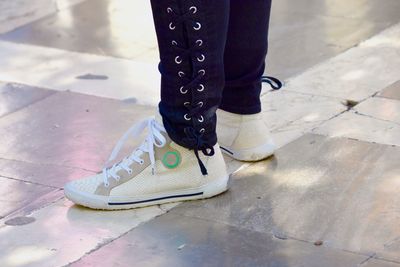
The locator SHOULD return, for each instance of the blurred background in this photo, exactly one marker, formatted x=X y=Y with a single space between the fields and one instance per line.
x=303 y=33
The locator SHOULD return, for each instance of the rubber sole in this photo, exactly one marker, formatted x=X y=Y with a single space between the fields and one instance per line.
x=118 y=203
x=253 y=154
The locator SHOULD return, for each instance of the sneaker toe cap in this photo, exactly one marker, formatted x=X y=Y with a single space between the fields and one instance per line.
x=86 y=185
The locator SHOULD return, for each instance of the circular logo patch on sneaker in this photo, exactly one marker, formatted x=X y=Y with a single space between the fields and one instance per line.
x=171 y=159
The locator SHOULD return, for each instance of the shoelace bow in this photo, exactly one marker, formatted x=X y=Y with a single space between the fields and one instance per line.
x=154 y=138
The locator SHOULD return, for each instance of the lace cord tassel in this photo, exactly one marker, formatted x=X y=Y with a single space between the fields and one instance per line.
x=275 y=83
x=203 y=168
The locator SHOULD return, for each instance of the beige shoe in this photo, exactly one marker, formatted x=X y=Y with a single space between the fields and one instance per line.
x=244 y=137
x=157 y=172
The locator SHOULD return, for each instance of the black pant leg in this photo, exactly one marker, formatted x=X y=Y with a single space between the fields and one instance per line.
x=245 y=52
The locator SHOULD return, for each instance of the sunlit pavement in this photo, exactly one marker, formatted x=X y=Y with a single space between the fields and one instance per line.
x=75 y=74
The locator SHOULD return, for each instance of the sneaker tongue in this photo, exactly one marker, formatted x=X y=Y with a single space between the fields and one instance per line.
x=159 y=120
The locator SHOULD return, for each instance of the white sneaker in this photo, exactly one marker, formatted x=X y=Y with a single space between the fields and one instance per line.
x=244 y=137
x=157 y=172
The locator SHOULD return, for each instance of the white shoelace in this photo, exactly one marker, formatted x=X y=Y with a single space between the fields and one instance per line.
x=154 y=138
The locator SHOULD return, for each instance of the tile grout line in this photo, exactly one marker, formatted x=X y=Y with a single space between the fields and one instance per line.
x=51 y=93
x=373 y=117
x=48 y=164
x=19 y=212
x=28 y=182
x=367 y=259
x=109 y=241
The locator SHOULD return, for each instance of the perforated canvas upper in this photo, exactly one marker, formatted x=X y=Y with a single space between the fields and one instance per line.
x=186 y=175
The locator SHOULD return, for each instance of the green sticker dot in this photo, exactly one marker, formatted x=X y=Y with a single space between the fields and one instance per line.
x=171 y=159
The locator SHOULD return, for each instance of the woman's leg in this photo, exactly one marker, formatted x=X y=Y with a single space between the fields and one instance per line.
x=191 y=38
x=245 y=51
x=242 y=133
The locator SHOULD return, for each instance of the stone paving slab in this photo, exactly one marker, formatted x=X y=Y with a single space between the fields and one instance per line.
x=52 y=175
x=298 y=41
x=392 y=91
x=174 y=240
x=117 y=28
x=379 y=263
x=290 y=114
x=81 y=134
x=370 y=11
x=353 y=74
x=16 y=96
x=380 y=108
x=341 y=191
x=19 y=12
x=62 y=232
x=282 y=108
x=16 y=194
x=361 y=127
x=60 y=70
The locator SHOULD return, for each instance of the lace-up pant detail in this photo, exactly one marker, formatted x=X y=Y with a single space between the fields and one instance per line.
x=192 y=35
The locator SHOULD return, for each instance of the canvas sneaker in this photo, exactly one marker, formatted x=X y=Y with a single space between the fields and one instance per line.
x=244 y=137
x=157 y=172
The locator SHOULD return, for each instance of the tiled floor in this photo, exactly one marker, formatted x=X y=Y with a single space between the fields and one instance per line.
x=69 y=87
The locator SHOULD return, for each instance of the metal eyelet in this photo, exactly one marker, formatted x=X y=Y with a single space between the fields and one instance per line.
x=141 y=162
x=181 y=74
x=107 y=184
x=174 y=42
x=171 y=27
x=201 y=59
x=197 y=27
x=202 y=72
x=186 y=117
x=202 y=130
x=201 y=119
x=183 y=91
x=193 y=9
x=201 y=88
x=199 y=42
x=178 y=60
x=129 y=171
x=169 y=10
x=200 y=103
x=186 y=104
x=117 y=178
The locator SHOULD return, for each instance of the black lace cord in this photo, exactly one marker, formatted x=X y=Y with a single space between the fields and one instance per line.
x=196 y=142
x=275 y=83
x=194 y=139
